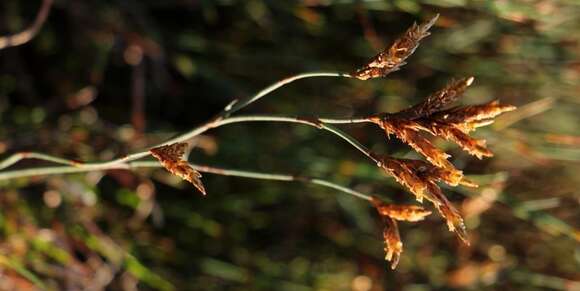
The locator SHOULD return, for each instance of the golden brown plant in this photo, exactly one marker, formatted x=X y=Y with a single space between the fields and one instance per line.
x=390 y=213
x=453 y=124
x=456 y=123
x=171 y=157
x=393 y=243
x=393 y=57
x=411 y=213
x=421 y=178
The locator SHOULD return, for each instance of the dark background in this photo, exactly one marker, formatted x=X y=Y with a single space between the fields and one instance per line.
x=106 y=78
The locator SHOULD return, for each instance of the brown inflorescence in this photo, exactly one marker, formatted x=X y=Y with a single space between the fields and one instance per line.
x=452 y=124
x=456 y=123
x=390 y=214
x=421 y=178
x=171 y=157
x=411 y=213
x=393 y=243
x=393 y=57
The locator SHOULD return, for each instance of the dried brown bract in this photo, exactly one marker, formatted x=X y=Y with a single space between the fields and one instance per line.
x=171 y=157
x=421 y=178
x=411 y=213
x=408 y=132
x=456 y=123
x=436 y=101
x=452 y=124
x=390 y=213
x=393 y=243
x=393 y=57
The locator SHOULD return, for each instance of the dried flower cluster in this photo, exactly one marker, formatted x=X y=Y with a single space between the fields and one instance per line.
x=171 y=157
x=430 y=116
x=390 y=214
x=393 y=57
x=454 y=124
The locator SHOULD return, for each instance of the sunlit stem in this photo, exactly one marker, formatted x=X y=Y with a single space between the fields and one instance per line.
x=121 y=163
x=6 y=175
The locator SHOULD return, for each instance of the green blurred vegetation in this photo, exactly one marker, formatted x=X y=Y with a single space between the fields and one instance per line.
x=74 y=91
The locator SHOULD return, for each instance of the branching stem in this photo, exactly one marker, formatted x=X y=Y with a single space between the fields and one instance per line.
x=128 y=162
x=202 y=168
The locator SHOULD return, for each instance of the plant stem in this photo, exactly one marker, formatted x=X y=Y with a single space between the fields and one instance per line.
x=202 y=168
x=241 y=104
x=122 y=162
x=27 y=34
x=345 y=120
x=222 y=119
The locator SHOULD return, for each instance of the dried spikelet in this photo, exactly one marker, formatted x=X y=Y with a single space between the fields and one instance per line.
x=171 y=157
x=424 y=176
x=452 y=124
x=393 y=57
x=427 y=171
x=407 y=132
x=438 y=100
x=474 y=113
x=454 y=133
x=393 y=243
x=410 y=213
x=448 y=212
x=405 y=176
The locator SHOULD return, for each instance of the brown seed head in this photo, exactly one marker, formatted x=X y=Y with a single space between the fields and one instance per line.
x=421 y=178
x=171 y=157
x=411 y=213
x=405 y=176
x=452 y=124
x=393 y=243
x=474 y=113
x=393 y=57
x=407 y=132
x=438 y=100
x=448 y=212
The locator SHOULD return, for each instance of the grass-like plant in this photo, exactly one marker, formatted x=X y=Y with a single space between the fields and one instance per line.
x=432 y=116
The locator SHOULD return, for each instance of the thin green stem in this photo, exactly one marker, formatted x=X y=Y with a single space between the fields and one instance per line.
x=7 y=175
x=236 y=106
x=217 y=123
x=345 y=120
x=233 y=107
x=352 y=141
x=222 y=119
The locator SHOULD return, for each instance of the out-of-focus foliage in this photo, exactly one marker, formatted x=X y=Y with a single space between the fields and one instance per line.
x=104 y=78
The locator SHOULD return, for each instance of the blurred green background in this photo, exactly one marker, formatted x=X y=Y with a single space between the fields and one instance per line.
x=106 y=78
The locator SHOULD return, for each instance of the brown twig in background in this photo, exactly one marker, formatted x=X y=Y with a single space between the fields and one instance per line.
x=29 y=33
x=368 y=29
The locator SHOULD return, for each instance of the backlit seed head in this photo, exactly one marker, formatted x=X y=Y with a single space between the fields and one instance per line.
x=393 y=57
x=171 y=157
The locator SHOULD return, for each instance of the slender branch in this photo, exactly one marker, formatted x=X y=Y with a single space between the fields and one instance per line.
x=352 y=141
x=220 y=120
x=27 y=34
x=121 y=162
x=7 y=175
x=31 y=155
x=345 y=120
x=238 y=105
